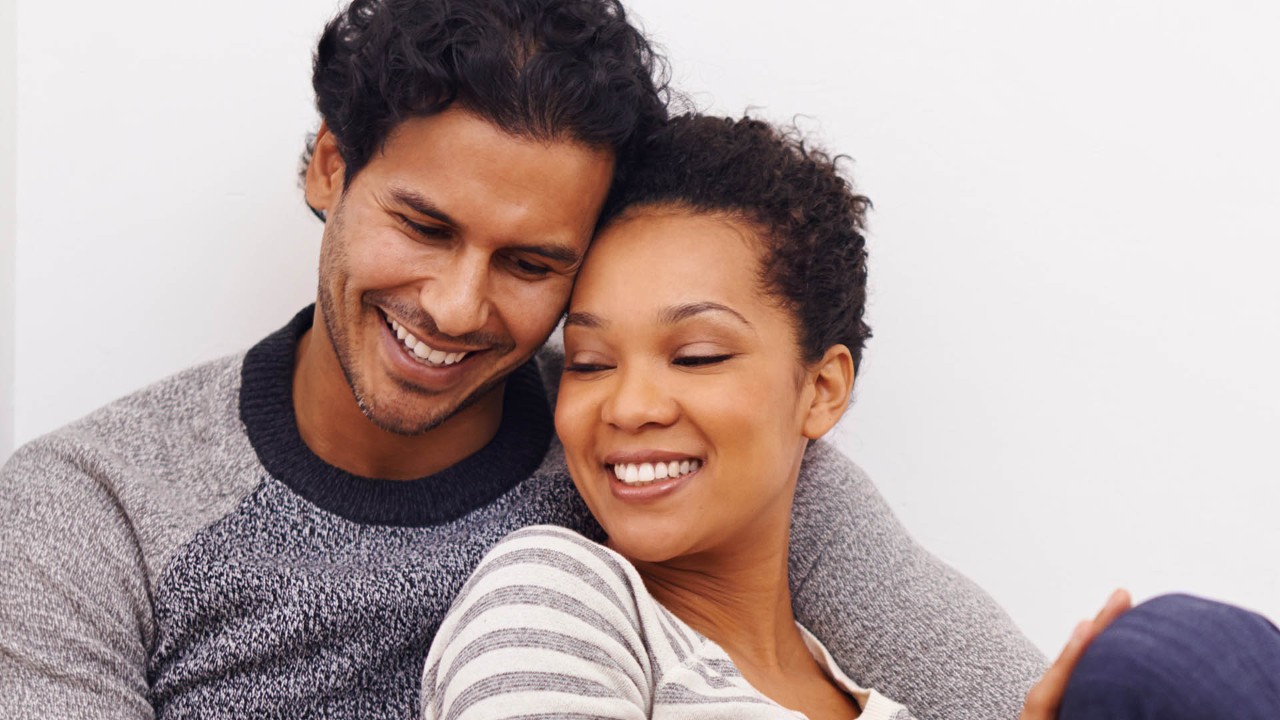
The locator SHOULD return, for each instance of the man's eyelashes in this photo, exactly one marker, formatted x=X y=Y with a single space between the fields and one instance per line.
x=433 y=232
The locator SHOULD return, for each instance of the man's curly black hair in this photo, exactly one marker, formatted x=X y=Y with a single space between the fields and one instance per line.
x=571 y=70
x=806 y=214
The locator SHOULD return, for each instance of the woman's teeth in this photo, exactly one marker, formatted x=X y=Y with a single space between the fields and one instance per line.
x=423 y=351
x=640 y=473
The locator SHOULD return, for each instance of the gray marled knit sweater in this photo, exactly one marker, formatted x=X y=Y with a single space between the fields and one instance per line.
x=181 y=553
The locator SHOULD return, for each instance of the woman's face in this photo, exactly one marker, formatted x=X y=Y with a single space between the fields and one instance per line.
x=684 y=408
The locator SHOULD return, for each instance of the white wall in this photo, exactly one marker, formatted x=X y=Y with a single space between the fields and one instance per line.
x=160 y=223
x=8 y=222
x=1074 y=247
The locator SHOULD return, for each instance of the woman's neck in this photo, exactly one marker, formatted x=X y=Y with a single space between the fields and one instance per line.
x=739 y=598
x=738 y=595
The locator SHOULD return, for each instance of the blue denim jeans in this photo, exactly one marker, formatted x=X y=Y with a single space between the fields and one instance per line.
x=1178 y=657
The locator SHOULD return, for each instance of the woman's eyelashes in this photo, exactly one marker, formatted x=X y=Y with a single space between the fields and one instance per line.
x=584 y=368
x=683 y=361
x=701 y=360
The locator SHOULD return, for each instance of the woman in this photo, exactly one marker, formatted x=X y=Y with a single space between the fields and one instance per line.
x=714 y=331
x=702 y=354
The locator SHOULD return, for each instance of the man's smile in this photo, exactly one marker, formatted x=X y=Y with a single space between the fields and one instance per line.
x=427 y=354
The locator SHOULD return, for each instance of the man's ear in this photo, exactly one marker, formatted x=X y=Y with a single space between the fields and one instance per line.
x=325 y=172
x=831 y=383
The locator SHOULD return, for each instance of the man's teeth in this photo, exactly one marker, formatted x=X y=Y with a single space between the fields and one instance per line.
x=640 y=473
x=423 y=351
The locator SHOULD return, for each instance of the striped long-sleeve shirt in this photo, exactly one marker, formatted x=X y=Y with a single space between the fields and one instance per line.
x=554 y=625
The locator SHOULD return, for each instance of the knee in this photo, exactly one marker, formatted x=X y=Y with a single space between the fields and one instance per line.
x=1177 y=656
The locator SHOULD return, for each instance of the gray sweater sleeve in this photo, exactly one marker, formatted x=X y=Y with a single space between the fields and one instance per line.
x=894 y=616
x=75 y=612
x=89 y=516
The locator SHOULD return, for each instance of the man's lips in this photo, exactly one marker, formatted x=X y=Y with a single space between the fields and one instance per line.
x=438 y=355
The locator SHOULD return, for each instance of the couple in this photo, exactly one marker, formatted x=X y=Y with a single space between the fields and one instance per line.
x=281 y=533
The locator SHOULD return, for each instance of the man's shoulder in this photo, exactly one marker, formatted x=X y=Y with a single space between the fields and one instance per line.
x=823 y=459
x=164 y=461
x=177 y=442
x=196 y=403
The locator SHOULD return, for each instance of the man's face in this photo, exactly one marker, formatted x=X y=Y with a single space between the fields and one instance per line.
x=448 y=260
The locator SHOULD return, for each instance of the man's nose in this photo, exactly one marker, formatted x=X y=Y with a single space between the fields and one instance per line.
x=457 y=297
x=638 y=399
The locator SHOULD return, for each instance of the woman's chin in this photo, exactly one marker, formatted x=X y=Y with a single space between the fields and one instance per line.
x=649 y=544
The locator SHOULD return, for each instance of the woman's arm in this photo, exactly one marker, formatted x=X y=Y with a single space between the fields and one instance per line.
x=548 y=622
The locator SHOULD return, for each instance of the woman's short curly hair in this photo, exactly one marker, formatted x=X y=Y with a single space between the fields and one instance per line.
x=545 y=69
x=807 y=215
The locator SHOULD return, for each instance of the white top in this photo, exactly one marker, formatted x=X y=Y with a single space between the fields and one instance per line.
x=554 y=625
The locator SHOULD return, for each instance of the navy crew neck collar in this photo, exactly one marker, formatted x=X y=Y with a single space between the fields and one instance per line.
x=266 y=408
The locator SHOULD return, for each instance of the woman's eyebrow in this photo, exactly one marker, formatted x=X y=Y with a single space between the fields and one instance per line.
x=584 y=319
x=667 y=316
x=678 y=313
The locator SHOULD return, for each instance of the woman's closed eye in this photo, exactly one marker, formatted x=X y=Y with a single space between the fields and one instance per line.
x=586 y=363
x=701 y=360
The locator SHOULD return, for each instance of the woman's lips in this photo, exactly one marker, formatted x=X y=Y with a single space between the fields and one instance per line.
x=647 y=477
x=638 y=473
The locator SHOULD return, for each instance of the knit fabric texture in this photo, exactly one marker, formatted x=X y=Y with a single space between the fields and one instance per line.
x=552 y=622
x=182 y=553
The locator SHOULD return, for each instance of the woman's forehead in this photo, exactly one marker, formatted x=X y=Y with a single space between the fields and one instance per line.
x=647 y=266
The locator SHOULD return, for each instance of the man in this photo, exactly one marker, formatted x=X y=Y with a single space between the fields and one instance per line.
x=279 y=533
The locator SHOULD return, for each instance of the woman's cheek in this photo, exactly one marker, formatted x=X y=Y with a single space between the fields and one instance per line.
x=576 y=414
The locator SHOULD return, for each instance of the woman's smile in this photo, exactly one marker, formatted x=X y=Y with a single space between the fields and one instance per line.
x=639 y=476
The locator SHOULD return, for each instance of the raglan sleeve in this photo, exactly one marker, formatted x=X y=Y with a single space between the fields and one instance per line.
x=894 y=616
x=74 y=603
x=545 y=626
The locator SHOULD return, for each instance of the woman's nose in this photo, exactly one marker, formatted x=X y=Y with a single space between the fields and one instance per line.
x=638 y=399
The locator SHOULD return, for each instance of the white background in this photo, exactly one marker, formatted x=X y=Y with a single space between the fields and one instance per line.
x=8 y=227
x=1073 y=381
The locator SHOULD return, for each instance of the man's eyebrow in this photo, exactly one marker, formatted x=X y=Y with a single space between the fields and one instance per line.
x=554 y=252
x=421 y=205
x=678 y=313
x=584 y=319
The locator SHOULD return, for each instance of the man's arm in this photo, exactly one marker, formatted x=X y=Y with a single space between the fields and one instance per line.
x=75 y=610
x=894 y=616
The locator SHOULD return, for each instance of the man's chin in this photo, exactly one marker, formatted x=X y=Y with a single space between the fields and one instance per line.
x=415 y=418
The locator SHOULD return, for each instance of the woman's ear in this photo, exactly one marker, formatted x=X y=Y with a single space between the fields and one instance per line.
x=325 y=172
x=831 y=382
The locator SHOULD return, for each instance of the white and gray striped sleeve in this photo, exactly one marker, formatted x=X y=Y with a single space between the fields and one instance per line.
x=548 y=624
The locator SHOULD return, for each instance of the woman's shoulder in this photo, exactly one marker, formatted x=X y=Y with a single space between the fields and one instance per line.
x=549 y=615
x=560 y=571
x=542 y=548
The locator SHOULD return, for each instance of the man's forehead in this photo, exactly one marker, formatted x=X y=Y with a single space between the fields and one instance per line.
x=457 y=130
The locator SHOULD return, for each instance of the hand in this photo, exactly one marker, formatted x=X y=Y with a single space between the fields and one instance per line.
x=1046 y=697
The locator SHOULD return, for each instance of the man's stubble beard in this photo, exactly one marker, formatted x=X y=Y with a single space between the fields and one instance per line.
x=334 y=254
